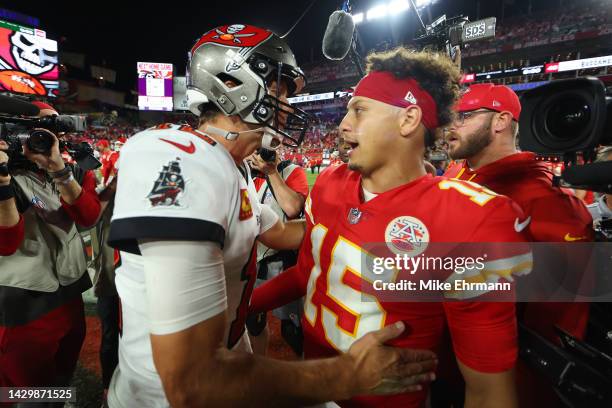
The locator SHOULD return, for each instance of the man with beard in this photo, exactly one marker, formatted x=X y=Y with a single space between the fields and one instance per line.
x=484 y=136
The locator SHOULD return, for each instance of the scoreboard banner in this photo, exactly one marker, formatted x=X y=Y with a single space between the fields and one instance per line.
x=579 y=64
x=28 y=61
x=155 y=86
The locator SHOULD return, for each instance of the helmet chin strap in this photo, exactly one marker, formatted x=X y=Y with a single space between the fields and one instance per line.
x=228 y=134
x=267 y=142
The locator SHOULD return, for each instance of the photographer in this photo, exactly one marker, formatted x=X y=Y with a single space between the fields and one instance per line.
x=283 y=187
x=42 y=263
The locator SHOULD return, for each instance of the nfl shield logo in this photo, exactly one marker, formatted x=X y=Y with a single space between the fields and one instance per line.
x=38 y=203
x=354 y=216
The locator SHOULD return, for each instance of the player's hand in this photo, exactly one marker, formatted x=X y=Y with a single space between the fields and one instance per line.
x=50 y=162
x=381 y=369
x=4 y=159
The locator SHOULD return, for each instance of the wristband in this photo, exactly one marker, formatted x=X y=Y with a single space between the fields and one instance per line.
x=6 y=192
x=64 y=181
x=60 y=174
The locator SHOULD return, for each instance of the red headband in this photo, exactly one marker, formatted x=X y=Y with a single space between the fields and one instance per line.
x=385 y=87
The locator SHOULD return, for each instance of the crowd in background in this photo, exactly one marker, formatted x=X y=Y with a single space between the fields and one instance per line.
x=532 y=30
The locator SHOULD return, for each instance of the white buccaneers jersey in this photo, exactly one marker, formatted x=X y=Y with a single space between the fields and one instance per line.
x=177 y=183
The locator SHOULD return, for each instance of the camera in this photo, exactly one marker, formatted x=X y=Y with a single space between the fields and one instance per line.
x=566 y=117
x=39 y=141
x=603 y=230
x=448 y=34
x=267 y=155
x=569 y=119
x=34 y=133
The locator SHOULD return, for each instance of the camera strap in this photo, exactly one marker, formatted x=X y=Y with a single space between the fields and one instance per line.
x=280 y=168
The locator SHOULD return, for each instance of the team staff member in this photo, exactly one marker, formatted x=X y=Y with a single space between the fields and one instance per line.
x=484 y=137
x=42 y=265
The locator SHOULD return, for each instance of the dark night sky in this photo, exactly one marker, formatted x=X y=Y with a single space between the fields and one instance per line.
x=118 y=34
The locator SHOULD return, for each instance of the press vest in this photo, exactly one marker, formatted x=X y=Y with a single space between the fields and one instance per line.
x=52 y=252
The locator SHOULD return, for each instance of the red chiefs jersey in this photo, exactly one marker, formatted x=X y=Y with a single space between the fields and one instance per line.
x=556 y=216
x=427 y=210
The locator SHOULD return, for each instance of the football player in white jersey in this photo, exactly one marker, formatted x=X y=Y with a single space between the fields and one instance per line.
x=186 y=218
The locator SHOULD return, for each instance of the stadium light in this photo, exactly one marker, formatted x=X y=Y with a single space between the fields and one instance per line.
x=357 y=18
x=397 y=6
x=423 y=3
x=377 y=12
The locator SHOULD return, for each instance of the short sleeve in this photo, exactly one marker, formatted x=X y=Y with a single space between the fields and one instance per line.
x=484 y=334
x=483 y=328
x=170 y=188
x=297 y=181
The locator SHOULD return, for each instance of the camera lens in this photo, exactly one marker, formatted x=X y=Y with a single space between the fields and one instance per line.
x=567 y=117
x=40 y=141
x=267 y=155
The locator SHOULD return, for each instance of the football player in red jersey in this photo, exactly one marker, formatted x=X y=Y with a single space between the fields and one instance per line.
x=484 y=136
x=384 y=195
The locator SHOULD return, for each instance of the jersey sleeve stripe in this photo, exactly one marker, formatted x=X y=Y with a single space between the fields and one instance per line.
x=502 y=268
x=504 y=265
x=126 y=232
x=308 y=209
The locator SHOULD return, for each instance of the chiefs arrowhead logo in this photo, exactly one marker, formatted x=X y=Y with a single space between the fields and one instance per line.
x=234 y=35
x=246 y=211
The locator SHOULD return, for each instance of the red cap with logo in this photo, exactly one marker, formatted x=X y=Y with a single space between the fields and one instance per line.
x=498 y=98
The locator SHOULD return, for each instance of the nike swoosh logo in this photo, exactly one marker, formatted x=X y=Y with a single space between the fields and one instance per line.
x=518 y=227
x=569 y=238
x=189 y=149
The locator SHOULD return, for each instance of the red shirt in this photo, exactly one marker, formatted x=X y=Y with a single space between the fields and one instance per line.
x=556 y=216
x=341 y=229
x=109 y=161
x=296 y=181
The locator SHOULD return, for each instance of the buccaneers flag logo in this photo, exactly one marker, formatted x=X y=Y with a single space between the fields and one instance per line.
x=234 y=35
